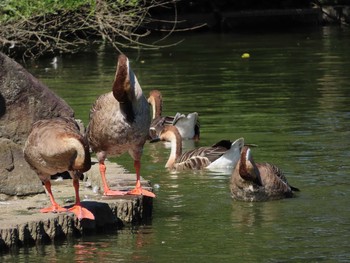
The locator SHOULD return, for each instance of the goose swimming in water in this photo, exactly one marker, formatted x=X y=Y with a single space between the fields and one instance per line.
x=188 y=125
x=252 y=181
x=55 y=146
x=223 y=154
x=119 y=123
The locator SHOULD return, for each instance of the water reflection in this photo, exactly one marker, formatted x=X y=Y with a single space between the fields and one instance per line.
x=258 y=214
x=88 y=251
x=128 y=245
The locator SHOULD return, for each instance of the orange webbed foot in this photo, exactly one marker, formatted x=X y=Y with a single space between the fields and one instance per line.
x=81 y=212
x=53 y=209
x=140 y=191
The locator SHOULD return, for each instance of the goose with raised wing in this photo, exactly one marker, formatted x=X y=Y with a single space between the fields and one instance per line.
x=188 y=125
x=223 y=154
x=119 y=123
x=55 y=146
x=252 y=181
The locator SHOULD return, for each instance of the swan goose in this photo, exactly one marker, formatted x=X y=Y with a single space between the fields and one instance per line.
x=55 y=146
x=252 y=181
x=223 y=154
x=188 y=125
x=119 y=123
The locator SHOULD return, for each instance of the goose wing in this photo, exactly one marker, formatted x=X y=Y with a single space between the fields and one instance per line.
x=273 y=169
x=56 y=145
x=178 y=116
x=193 y=163
x=210 y=153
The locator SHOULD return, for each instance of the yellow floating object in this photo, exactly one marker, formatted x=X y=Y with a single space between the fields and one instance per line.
x=245 y=55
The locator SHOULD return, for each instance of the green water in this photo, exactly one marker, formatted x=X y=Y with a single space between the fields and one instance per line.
x=291 y=98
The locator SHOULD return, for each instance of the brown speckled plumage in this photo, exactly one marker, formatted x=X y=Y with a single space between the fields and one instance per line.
x=120 y=119
x=188 y=125
x=121 y=126
x=55 y=146
x=202 y=157
x=252 y=181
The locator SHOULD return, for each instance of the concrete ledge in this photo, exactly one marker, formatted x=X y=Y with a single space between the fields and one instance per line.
x=21 y=223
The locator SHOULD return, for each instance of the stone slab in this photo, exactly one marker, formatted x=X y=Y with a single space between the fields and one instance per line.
x=22 y=224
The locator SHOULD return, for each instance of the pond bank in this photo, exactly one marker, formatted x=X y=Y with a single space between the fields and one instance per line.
x=21 y=223
x=242 y=20
x=231 y=20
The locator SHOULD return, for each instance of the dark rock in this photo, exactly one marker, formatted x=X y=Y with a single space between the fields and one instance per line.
x=16 y=177
x=23 y=100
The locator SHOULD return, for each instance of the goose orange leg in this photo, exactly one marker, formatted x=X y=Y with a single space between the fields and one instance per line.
x=55 y=208
x=138 y=189
x=106 y=189
x=77 y=209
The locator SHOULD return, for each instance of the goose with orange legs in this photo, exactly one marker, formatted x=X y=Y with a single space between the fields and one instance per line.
x=188 y=125
x=55 y=146
x=252 y=181
x=223 y=154
x=119 y=123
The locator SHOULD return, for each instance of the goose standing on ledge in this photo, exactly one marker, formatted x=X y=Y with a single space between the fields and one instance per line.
x=223 y=154
x=252 y=181
x=188 y=125
x=55 y=146
x=119 y=123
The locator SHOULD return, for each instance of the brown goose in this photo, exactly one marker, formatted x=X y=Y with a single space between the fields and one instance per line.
x=223 y=154
x=188 y=125
x=55 y=146
x=119 y=123
x=252 y=181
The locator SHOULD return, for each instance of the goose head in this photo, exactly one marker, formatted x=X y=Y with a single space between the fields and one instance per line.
x=171 y=134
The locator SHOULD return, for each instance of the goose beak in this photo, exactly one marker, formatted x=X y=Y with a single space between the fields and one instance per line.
x=153 y=136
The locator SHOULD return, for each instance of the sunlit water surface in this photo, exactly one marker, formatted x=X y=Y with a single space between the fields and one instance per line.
x=291 y=98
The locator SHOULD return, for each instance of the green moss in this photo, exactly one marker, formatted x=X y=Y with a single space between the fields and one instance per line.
x=13 y=10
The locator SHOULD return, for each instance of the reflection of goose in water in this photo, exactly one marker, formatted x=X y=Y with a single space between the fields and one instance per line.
x=252 y=181
x=244 y=215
